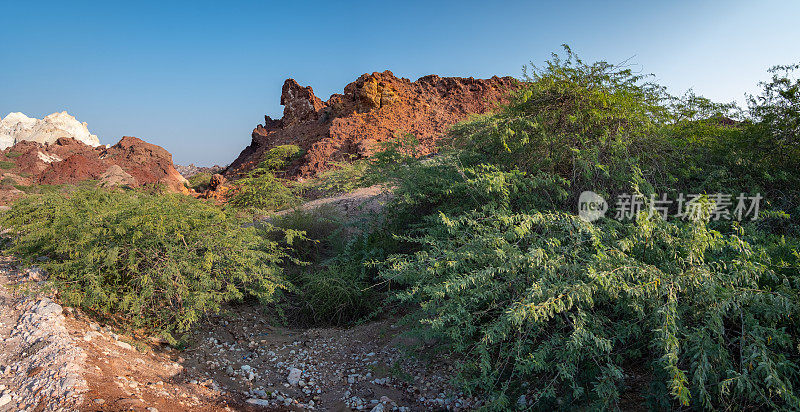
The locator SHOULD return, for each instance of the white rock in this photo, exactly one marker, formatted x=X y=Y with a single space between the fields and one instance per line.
x=294 y=376
x=259 y=402
x=123 y=345
x=16 y=127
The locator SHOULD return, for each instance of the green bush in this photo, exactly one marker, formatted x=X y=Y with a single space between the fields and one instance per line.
x=260 y=189
x=200 y=181
x=345 y=177
x=574 y=315
x=155 y=261
x=564 y=312
x=333 y=290
x=6 y=164
x=14 y=155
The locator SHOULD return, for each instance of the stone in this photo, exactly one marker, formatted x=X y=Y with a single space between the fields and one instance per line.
x=123 y=345
x=5 y=399
x=92 y=334
x=294 y=376
x=47 y=307
x=258 y=402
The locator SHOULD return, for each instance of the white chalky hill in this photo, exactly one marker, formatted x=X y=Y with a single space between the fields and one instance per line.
x=17 y=127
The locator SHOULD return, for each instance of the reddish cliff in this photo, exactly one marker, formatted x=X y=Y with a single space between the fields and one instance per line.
x=373 y=109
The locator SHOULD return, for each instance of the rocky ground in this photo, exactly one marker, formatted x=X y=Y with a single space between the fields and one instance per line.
x=41 y=365
x=56 y=358
x=60 y=359
x=359 y=368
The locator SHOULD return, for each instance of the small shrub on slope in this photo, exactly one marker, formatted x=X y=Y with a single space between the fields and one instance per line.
x=332 y=290
x=200 y=181
x=156 y=261
x=260 y=189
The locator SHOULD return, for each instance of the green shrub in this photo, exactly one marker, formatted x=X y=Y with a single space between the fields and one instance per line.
x=6 y=164
x=155 y=261
x=562 y=311
x=332 y=294
x=200 y=181
x=574 y=315
x=13 y=155
x=260 y=189
x=345 y=177
x=323 y=231
x=333 y=290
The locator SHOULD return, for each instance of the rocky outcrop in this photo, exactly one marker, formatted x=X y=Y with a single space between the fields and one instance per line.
x=132 y=162
x=190 y=170
x=115 y=176
x=375 y=108
x=16 y=128
x=146 y=162
x=42 y=363
x=218 y=188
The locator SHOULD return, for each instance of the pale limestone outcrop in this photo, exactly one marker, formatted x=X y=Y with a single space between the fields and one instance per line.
x=17 y=127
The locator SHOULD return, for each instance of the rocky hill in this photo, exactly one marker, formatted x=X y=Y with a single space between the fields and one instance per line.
x=16 y=128
x=373 y=109
x=132 y=162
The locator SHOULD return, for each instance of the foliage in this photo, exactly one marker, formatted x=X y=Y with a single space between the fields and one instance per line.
x=571 y=314
x=584 y=122
x=155 y=261
x=560 y=310
x=200 y=181
x=6 y=164
x=260 y=189
x=777 y=111
x=13 y=155
x=345 y=177
x=333 y=290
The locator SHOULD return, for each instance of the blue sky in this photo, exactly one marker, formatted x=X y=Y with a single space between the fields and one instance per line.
x=196 y=77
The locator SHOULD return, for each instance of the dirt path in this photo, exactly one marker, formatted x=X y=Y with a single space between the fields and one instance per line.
x=358 y=368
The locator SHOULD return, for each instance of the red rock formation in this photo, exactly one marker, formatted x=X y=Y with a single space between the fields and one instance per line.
x=375 y=108
x=218 y=189
x=146 y=162
x=68 y=161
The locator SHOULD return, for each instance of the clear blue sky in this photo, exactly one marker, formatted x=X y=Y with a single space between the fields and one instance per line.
x=196 y=77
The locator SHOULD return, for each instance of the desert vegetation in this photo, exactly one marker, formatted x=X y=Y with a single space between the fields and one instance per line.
x=481 y=250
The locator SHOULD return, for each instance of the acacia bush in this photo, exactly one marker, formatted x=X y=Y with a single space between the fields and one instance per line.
x=155 y=261
x=260 y=189
x=545 y=310
x=335 y=288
